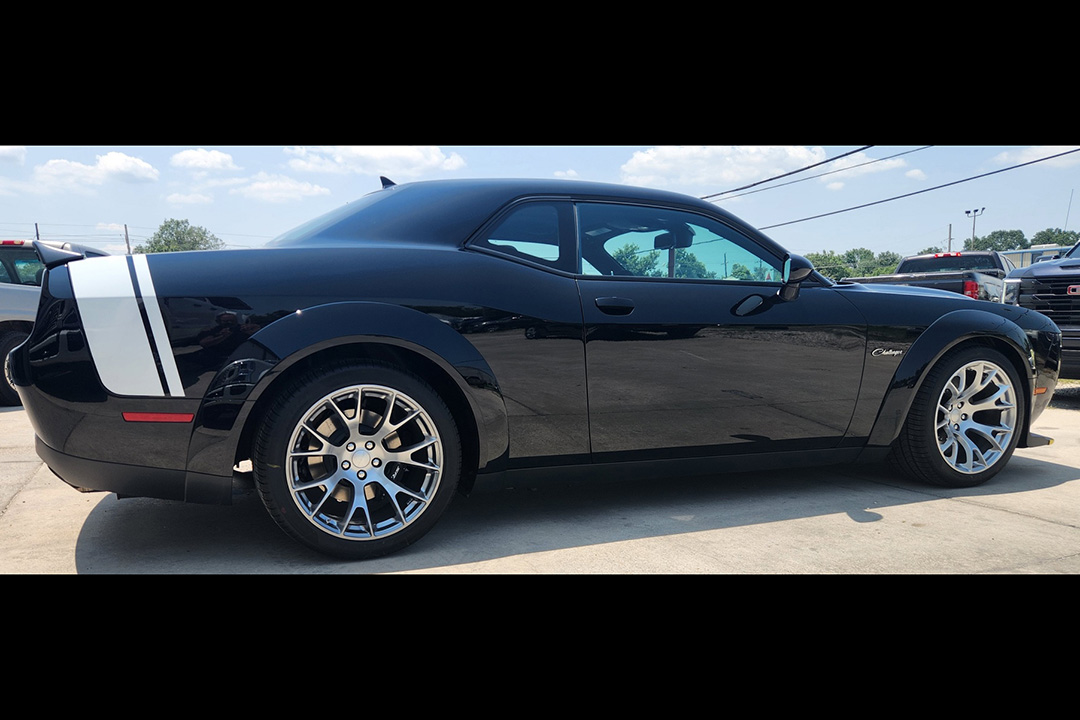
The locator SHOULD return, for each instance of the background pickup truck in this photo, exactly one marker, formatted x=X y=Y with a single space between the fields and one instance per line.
x=20 y=287
x=1052 y=287
x=979 y=275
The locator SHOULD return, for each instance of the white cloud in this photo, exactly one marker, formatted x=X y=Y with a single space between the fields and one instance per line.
x=1036 y=152
x=126 y=168
x=393 y=161
x=70 y=175
x=278 y=188
x=711 y=166
x=203 y=160
x=12 y=153
x=915 y=174
x=189 y=199
x=835 y=185
x=571 y=174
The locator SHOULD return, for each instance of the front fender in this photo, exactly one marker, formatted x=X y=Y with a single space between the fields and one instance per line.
x=947 y=332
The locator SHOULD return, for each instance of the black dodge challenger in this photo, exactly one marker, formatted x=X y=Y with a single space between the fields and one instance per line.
x=376 y=360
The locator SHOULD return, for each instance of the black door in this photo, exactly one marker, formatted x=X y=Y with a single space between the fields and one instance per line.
x=680 y=365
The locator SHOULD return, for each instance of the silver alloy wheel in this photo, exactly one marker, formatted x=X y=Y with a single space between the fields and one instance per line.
x=976 y=417
x=364 y=462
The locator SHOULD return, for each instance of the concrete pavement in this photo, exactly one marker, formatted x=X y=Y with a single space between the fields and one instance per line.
x=848 y=520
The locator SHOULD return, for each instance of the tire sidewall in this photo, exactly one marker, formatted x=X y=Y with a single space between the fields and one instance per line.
x=940 y=471
x=275 y=434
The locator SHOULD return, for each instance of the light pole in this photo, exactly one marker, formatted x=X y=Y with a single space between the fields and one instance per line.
x=974 y=214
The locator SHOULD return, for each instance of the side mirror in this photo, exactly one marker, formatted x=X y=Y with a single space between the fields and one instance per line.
x=796 y=270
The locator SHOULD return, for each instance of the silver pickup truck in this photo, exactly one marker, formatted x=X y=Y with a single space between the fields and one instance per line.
x=20 y=283
x=977 y=274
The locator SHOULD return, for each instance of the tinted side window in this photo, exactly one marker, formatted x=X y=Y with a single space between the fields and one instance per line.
x=539 y=232
x=21 y=267
x=628 y=240
x=27 y=271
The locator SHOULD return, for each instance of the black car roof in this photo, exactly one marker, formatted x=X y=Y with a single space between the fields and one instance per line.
x=448 y=211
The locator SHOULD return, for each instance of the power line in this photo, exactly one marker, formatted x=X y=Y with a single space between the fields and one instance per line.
x=788 y=174
x=832 y=172
x=919 y=192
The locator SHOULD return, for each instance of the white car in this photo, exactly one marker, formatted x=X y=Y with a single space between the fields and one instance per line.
x=20 y=286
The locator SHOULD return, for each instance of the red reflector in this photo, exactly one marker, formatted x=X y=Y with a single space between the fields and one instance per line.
x=12 y=242
x=159 y=417
x=971 y=289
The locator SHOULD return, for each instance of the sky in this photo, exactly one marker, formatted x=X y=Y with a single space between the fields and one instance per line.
x=833 y=197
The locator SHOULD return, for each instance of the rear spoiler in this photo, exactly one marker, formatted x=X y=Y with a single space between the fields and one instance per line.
x=54 y=256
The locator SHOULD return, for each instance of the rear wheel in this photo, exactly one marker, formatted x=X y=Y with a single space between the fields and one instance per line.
x=965 y=421
x=357 y=460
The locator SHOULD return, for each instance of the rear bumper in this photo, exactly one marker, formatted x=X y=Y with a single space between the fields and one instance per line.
x=135 y=480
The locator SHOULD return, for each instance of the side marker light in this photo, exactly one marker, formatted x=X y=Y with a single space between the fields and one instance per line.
x=152 y=417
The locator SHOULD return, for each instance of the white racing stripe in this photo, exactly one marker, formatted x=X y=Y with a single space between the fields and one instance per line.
x=157 y=325
x=114 y=326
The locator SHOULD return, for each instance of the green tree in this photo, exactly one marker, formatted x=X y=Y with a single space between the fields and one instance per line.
x=860 y=260
x=688 y=266
x=999 y=240
x=648 y=264
x=636 y=262
x=931 y=250
x=831 y=265
x=177 y=236
x=741 y=272
x=888 y=259
x=1056 y=236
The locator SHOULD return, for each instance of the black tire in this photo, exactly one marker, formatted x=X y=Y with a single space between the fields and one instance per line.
x=944 y=445
x=8 y=342
x=359 y=487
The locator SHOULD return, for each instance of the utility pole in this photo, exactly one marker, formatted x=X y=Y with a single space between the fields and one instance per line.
x=37 y=233
x=126 y=241
x=950 y=238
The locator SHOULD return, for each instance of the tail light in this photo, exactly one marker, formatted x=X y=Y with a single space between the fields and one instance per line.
x=971 y=289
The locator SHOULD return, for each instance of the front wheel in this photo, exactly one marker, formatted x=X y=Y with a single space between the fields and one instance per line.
x=965 y=421
x=357 y=460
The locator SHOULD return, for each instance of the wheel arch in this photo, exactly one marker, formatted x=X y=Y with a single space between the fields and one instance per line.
x=16 y=326
x=400 y=337
x=955 y=330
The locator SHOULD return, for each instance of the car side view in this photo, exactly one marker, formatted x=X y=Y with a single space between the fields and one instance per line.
x=429 y=336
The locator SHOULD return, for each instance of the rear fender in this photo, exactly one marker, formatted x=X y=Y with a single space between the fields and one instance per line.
x=303 y=334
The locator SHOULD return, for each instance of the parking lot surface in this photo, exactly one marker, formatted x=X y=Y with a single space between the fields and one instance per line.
x=837 y=520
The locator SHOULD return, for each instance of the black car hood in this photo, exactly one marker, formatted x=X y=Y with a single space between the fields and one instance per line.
x=1062 y=267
